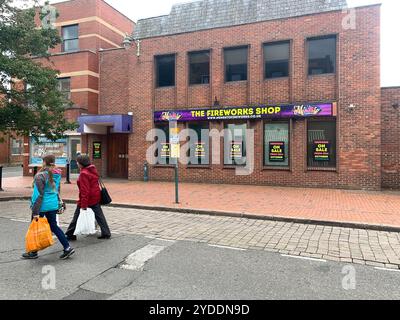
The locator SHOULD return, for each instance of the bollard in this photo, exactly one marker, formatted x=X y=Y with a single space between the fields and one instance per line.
x=1 y=178
x=68 y=173
x=146 y=172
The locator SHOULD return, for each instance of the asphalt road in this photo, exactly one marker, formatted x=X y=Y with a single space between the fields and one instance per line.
x=159 y=269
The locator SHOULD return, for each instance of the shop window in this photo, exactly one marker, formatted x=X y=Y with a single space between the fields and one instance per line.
x=163 y=152
x=321 y=144
x=17 y=147
x=64 y=86
x=165 y=71
x=236 y=64
x=199 y=151
x=321 y=55
x=199 y=67
x=235 y=144
x=58 y=148
x=276 y=57
x=276 y=144
x=70 y=38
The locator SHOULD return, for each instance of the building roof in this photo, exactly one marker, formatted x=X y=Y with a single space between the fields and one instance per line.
x=209 y=14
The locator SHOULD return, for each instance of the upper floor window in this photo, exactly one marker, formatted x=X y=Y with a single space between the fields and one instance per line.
x=199 y=67
x=64 y=86
x=165 y=71
x=276 y=57
x=322 y=55
x=236 y=64
x=70 y=38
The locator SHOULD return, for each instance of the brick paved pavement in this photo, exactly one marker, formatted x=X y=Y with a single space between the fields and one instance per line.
x=374 y=208
x=375 y=248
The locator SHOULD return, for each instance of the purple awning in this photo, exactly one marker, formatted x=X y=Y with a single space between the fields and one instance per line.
x=97 y=124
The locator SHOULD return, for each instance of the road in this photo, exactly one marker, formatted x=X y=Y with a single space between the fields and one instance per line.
x=140 y=266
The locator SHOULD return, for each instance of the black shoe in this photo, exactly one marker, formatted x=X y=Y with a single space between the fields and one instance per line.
x=30 y=255
x=67 y=253
x=72 y=238
x=104 y=237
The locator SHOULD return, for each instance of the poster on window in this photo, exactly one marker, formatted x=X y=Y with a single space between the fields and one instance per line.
x=277 y=151
x=165 y=150
x=321 y=150
x=44 y=147
x=96 y=150
x=200 y=150
x=236 y=149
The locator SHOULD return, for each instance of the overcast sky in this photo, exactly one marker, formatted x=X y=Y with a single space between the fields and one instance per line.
x=135 y=10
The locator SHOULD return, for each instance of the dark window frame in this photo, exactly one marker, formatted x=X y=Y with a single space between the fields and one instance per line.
x=265 y=44
x=336 y=136
x=209 y=156
x=168 y=160
x=308 y=40
x=287 y=167
x=224 y=126
x=70 y=39
x=156 y=70
x=189 y=67
x=247 y=47
x=59 y=83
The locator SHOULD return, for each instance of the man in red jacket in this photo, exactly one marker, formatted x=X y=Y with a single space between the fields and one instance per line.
x=89 y=197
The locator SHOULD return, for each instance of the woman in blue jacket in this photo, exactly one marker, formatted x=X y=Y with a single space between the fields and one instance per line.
x=45 y=203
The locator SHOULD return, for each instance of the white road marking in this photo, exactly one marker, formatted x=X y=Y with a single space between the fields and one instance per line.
x=137 y=260
x=385 y=269
x=17 y=220
x=166 y=240
x=225 y=247
x=303 y=258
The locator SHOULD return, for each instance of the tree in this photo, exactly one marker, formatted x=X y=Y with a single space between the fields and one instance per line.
x=30 y=101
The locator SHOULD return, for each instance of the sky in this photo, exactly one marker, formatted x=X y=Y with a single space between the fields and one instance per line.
x=390 y=27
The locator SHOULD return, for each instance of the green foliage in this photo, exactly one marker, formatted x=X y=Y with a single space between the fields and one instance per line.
x=38 y=108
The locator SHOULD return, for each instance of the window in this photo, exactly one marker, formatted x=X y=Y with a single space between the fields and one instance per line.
x=165 y=71
x=276 y=57
x=322 y=55
x=276 y=144
x=163 y=152
x=70 y=38
x=321 y=144
x=29 y=90
x=236 y=64
x=199 y=143
x=199 y=67
x=64 y=86
x=17 y=147
x=235 y=144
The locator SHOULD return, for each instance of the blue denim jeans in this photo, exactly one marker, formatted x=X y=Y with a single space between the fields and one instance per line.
x=52 y=219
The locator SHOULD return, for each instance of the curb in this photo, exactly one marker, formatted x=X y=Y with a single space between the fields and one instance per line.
x=344 y=224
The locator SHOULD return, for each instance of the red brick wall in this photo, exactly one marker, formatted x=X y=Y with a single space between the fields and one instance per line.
x=357 y=82
x=390 y=138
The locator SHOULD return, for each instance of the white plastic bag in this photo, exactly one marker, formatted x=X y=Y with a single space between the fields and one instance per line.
x=86 y=223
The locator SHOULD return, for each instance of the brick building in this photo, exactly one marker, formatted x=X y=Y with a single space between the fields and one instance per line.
x=86 y=27
x=300 y=74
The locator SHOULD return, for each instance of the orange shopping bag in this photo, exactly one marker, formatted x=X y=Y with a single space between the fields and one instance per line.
x=39 y=236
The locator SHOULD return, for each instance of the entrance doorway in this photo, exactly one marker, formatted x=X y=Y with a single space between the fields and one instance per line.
x=117 y=162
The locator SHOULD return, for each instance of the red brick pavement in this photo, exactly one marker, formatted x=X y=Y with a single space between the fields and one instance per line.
x=376 y=208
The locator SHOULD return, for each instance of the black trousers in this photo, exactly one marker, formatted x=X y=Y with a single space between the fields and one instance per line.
x=100 y=218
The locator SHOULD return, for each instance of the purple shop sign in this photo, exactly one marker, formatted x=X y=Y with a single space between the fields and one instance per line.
x=248 y=112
